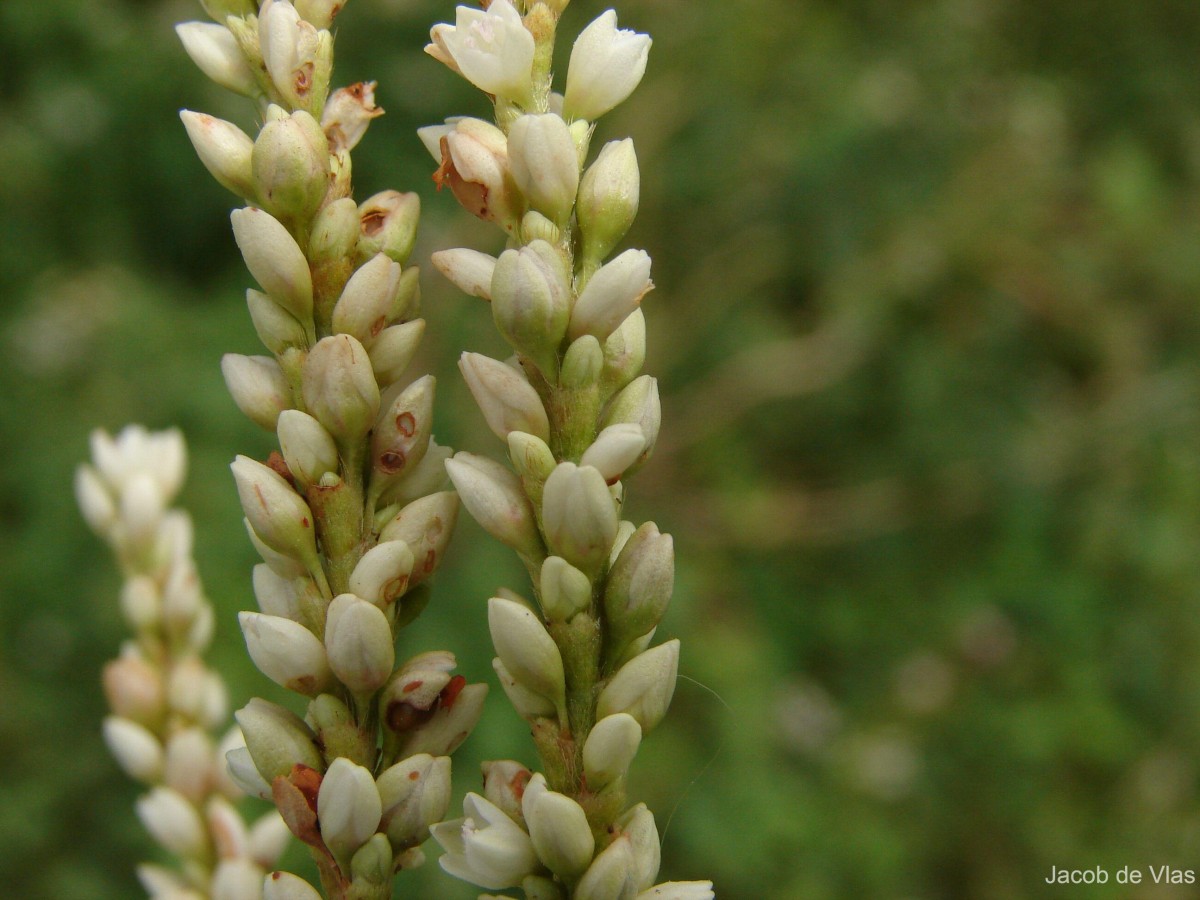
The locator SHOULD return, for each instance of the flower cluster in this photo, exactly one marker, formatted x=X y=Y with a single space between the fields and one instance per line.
x=167 y=705
x=577 y=418
x=350 y=516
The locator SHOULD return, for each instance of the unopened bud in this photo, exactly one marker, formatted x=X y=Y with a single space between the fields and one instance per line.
x=526 y=649
x=274 y=259
x=216 y=53
x=469 y=270
x=297 y=56
x=643 y=687
x=640 y=583
x=95 y=502
x=615 y=449
x=529 y=704
x=530 y=456
x=582 y=363
x=559 y=829
x=608 y=198
x=545 y=164
x=382 y=575
x=339 y=387
x=393 y=350
x=268 y=838
x=276 y=513
x=277 y=328
x=276 y=739
x=244 y=773
x=606 y=65
x=504 y=783
x=371 y=299
x=494 y=498
x=639 y=827
x=474 y=157
x=508 y=401
x=611 y=874
x=173 y=822
x=611 y=295
x=286 y=886
x=359 y=643
x=308 y=449
x=134 y=689
x=609 y=749
x=334 y=231
x=348 y=807
x=291 y=166
x=189 y=763
x=137 y=751
x=531 y=302
x=258 y=387
x=624 y=352
x=388 y=224
x=401 y=435
x=637 y=403
x=286 y=652
x=578 y=515
x=426 y=525
x=565 y=591
x=223 y=148
x=415 y=794
x=234 y=879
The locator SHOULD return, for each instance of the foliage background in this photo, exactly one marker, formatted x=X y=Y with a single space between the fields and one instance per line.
x=929 y=340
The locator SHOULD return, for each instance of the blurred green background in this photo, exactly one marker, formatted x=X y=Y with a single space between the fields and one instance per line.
x=928 y=333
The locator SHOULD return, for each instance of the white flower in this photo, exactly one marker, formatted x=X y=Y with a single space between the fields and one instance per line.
x=485 y=847
x=491 y=49
x=606 y=65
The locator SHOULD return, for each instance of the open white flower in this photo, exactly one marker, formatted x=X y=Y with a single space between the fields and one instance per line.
x=492 y=49
x=607 y=63
x=485 y=847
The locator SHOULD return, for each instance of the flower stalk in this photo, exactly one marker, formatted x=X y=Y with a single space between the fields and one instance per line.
x=577 y=418
x=351 y=516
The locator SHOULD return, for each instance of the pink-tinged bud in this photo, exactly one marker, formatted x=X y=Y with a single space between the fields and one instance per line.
x=291 y=166
x=137 y=751
x=348 y=807
x=491 y=48
x=216 y=53
x=579 y=515
x=347 y=114
x=609 y=749
x=401 y=435
x=224 y=149
x=485 y=847
x=393 y=350
x=388 y=224
x=606 y=65
x=474 y=157
x=611 y=295
x=506 y=399
x=527 y=650
x=545 y=164
x=286 y=886
x=643 y=687
x=426 y=525
x=258 y=387
x=274 y=259
x=608 y=198
x=278 y=515
x=339 y=387
x=469 y=270
x=286 y=652
x=559 y=829
x=359 y=643
x=372 y=298
x=173 y=822
x=531 y=302
x=494 y=498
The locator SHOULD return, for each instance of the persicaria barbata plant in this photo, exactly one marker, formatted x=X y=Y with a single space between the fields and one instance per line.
x=352 y=514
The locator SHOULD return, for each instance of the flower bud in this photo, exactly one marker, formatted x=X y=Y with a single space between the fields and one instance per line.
x=426 y=525
x=485 y=847
x=491 y=48
x=276 y=513
x=640 y=583
x=469 y=270
x=348 y=807
x=624 y=352
x=579 y=516
x=188 y=766
x=607 y=63
x=615 y=449
x=642 y=832
x=608 y=198
x=415 y=794
x=216 y=53
x=638 y=404
x=381 y=576
x=531 y=302
x=545 y=164
x=388 y=224
x=291 y=166
x=173 y=822
x=162 y=882
x=223 y=148
x=339 y=387
x=427 y=477
x=297 y=56
x=474 y=164
x=268 y=838
x=95 y=502
x=227 y=828
x=286 y=886
x=565 y=591
x=611 y=875
x=451 y=723
x=307 y=447
x=277 y=328
x=134 y=689
x=348 y=112
x=370 y=300
x=393 y=350
x=359 y=643
x=245 y=775
x=530 y=456
x=494 y=498
x=504 y=783
x=137 y=751
x=236 y=879
x=529 y=704
x=274 y=259
x=526 y=649
x=286 y=652
x=507 y=400
x=401 y=436
x=276 y=739
x=334 y=231
x=582 y=363
x=559 y=830
x=679 y=890
x=609 y=749
x=611 y=295
x=372 y=862
x=643 y=687
x=258 y=387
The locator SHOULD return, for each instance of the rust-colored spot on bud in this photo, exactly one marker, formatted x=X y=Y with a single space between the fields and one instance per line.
x=451 y=691
x=517 y=783
x=403 y=716
x=414 y=776
x=391 y=461
x=373 y=222
x=412 y=686
x=276 y=464
x=275 y=876
x=378 y=325
x=304 y=523
x=406 y=424
x=394 y=588
x=302 y=79
x=430 y=561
